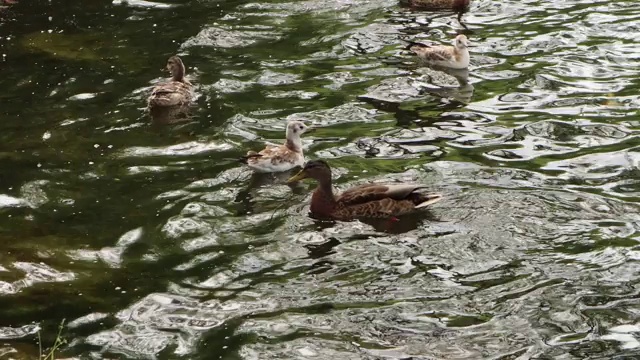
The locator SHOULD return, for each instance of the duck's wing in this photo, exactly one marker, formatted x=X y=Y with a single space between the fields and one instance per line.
x=274 y=159
x=435 y=53
x=264 y=152
x=415 y=45
x=170 y=94
x=170 y=87
x=373 y=192
x=383 y=208
x=379 y=201
x=435 y=4
x=254 y=154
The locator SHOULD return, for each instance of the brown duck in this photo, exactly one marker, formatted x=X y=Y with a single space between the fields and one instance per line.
x=455 y=5
x=364 y=201
x=175 y=92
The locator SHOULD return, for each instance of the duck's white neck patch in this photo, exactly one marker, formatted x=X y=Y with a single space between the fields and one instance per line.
x=294 y=142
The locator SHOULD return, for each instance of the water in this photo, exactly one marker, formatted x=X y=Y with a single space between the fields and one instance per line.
x=151 y=241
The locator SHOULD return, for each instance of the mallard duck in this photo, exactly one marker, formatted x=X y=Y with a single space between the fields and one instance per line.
x=278 y=158
x=364 y=201
x=175 y=92
x=454 y=57
x=455 y=5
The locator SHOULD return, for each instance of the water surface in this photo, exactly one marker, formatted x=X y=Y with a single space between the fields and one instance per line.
x=152 y=242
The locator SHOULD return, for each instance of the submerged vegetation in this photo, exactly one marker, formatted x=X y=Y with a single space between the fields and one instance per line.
x=50 y=353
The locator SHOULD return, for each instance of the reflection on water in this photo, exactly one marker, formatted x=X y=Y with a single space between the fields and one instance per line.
x=461 y=93
x=153 y=241
x=169 y=115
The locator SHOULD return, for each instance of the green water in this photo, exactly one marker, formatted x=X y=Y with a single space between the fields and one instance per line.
x=151 y=241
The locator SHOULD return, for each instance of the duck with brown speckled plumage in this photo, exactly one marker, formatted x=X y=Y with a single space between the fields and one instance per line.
x=175 y=92
x=455 y=5
x=364 y=201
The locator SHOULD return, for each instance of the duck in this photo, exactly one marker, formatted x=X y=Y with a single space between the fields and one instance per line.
x=371 y=200
x=453 y=57
x=175 y=92
x=455 y=5
x=280 y=158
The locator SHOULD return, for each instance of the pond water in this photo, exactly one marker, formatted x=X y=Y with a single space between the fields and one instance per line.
x=150 y=241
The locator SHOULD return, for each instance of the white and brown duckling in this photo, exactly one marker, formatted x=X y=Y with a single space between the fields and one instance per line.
x=175 y=92
x=278 y=158
x=454 y=57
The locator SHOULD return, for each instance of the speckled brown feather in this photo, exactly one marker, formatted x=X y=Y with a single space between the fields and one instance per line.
x=435 y=53
x=171 y=93
x=379 y=201
x=384 y=208
x=278 y=155
x=373 y=192
x=369 y=201
x=456 y=5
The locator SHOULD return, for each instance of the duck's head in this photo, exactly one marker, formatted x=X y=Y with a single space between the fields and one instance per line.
x=176 y=68
x=461 y=42
x=314 y=169
x=296 y=128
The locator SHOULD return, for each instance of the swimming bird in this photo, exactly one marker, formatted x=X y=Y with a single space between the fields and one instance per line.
x=278 y=158
x=454 y=57
x=459 y=6
x=364 y=201
x=455 y=5
x=175 y=92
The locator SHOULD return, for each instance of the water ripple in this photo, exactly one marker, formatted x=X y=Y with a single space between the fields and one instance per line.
x=533 y=253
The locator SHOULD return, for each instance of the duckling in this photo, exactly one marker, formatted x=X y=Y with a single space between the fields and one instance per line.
x=278 y=158
x=454 y=57
x=364 y=201
x=175 y=92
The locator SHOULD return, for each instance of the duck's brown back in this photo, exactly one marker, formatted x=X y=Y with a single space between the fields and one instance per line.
x=383 y=208
x=377 y=201
x=456 y=5
x=172 y=93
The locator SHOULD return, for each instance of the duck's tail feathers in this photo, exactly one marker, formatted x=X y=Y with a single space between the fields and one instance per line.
x=413 y=44
x=429 y=199
x=249 y=155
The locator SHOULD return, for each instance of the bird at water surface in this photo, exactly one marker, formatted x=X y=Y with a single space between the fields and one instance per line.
x=454 y=57
x=278 y=158
x=364 y=201
x=174 y=92
x=456 y=5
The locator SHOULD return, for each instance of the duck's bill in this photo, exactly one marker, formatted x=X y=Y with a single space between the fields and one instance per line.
x=310 y=129
x=301 y=175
